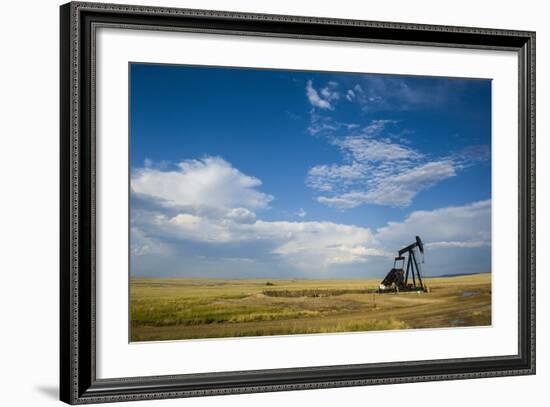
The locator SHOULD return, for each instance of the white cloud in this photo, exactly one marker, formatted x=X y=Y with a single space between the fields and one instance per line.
x=241 y=215
x=400 y=189
x=468 y=245
x=377 y=171
x=458 y=226
x=386 y=188
x=358 y=254
x=308 y=246
x=329 y=92
x=364 y=148
x=141 y=244
x=198 y=228
x=327 y=178
x=322 y=124
x=345 y=201
x=322 y=101
x=316 y=247
x=209 y=182
x=209 y=202
x=227 y=227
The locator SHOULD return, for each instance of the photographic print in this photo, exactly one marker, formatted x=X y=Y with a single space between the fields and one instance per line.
x=278 y=202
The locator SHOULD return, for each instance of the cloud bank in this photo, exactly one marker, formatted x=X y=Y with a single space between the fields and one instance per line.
x=211 y=206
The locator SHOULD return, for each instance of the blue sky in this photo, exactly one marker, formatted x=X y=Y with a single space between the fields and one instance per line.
x=265 y=173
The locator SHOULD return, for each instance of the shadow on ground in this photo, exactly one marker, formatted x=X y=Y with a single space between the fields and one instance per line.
x=49 y=391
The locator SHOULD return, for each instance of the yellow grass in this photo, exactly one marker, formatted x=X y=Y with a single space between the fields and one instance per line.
x=166 y=309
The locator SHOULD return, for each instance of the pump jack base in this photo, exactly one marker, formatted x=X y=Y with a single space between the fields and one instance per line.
x=397 y=290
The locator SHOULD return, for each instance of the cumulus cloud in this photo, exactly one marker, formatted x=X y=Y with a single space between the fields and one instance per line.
x=208 y=182
x=241 y=215
x=314 y=248
x=209 y=202
x=314 y=245
x=198 y=228
x=465 y=226
x=308 y=246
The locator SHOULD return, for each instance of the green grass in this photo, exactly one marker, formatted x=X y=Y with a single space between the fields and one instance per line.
x=163 y=309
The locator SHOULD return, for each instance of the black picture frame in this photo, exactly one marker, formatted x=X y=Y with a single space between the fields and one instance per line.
x=78 y=382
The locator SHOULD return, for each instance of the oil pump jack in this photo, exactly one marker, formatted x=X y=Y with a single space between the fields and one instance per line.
x=398 y=279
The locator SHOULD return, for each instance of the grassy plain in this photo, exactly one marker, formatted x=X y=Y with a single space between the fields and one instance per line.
x=168 y=309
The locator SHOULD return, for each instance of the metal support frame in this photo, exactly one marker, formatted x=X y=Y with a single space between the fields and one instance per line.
x=412 y=266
